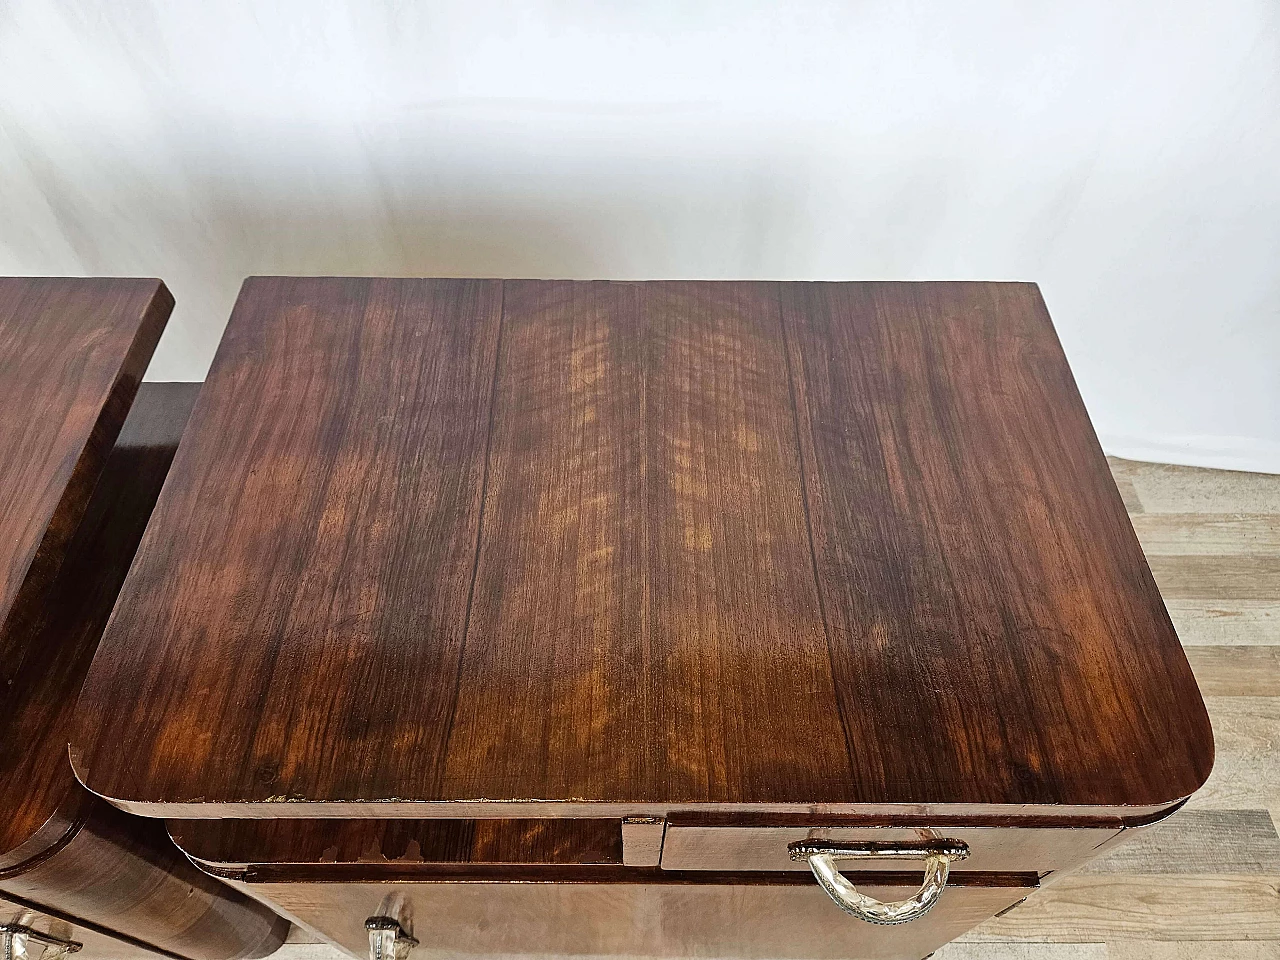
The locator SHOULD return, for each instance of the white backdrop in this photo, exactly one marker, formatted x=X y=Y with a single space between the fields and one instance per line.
x=1126 y=155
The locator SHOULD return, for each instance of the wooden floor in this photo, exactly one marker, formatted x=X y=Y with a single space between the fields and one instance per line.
x=1206 y=884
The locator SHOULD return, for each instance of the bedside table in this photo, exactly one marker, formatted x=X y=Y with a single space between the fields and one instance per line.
x=655 y=618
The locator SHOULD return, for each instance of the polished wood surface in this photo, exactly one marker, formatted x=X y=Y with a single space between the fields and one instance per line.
x=64 y=852
x=1204 y=882
x=512 y=548
x=39 y=797
x=120 y=875
x=232 y=847
x=993 y=849
x=576 y=849
x=72 y=352
x=634 y=920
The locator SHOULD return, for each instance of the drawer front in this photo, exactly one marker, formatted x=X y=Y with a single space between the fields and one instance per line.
x=688 y=845
x=783 y=920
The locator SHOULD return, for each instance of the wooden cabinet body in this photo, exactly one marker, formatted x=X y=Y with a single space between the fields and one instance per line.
x=117 y=885
x=554 y=887
x=77 y=483
x=724 y=918
x=586 y=601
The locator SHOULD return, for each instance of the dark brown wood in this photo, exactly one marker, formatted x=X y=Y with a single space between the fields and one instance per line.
x=72 y=353
x=512 y=548
x=959 y=498
x=577 y=849
x=64 y=852
x=40 y=798
x=120 y=875
x=349 y=516
x=235 y=845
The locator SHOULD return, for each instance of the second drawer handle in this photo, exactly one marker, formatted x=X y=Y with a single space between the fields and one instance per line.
x=15 y=937
x=388 y=940
x=822 y=855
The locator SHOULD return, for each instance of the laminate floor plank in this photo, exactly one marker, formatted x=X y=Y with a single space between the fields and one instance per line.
x=1199 y=950
x=1236 y=671
x=1129 y=494
x=1226 y=622
x=1225 y=842
x=1246 y=773
x=1217 y=577
x=1192 y=534
x=1168 y=907
x=1003 y=950
x=1164 y=488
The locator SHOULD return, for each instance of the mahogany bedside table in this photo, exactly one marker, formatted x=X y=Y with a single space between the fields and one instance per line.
x=665 y=618
x=77 y=483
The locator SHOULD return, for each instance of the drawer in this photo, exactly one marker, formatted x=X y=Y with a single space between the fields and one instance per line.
x=702 y=842
x=785 y=917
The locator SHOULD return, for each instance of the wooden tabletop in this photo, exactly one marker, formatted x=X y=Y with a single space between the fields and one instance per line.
x=482 y=548
x=72 y=353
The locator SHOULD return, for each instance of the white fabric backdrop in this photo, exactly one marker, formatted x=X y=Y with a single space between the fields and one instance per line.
x=1123 y=154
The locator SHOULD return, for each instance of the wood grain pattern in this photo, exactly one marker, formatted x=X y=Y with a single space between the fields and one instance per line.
x=1187 y=950
x=121 y=875
x=988 y=950
x=1225 y=842
x=333 y=510
x=479 y=548
x=631 y=920
x=1171 y=907
x=232 y=846
x=1213 y=534
x=1166 y=488
x=1246 y=774
x=644 y=606
x=1217 y=578
x=1244 y=671
x=940 y=513
x=1216 y=621
x=1204 y=858
x=62 y=851
x=1209 y=872
x=39 y=797
x=72 y=353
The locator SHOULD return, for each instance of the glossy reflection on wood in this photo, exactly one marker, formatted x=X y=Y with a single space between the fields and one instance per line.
x=630 y=920
x=441 y=548
x=77 y=483
x=38 y=793
x=72 y=353
x=121 y=875
x=64 y=852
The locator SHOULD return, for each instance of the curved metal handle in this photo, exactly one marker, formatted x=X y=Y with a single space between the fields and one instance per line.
x=937 y=856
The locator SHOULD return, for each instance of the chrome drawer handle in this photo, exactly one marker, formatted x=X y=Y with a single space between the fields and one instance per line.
x=15 y=938
x=387 y=939
x=937 y=856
